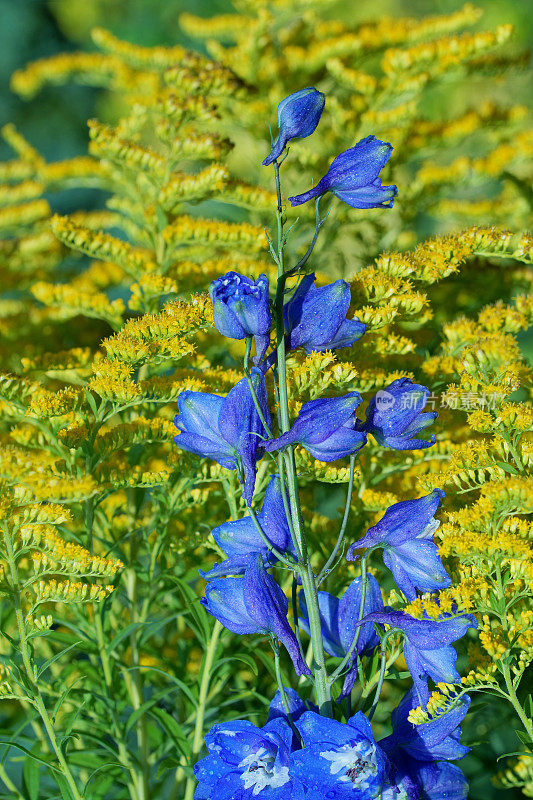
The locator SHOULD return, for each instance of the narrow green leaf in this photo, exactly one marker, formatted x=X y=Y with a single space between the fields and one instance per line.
x=27 y=752
x=174 y=730
x=139 y=712
x=30 y=778
x=48 y=663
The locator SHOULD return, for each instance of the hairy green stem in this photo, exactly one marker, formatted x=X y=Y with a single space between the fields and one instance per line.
x=326 y=568
x=322 y=688
x=355 y=639
x=202 y=698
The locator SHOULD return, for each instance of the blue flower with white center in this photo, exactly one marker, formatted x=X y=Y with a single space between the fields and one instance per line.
x=394 y=415
x=326 y=428
x=246 y=762
x=339 y=624
x=240 y=540
x=241 y=308
x=254 y=604
x=339 y=761
x=226 y=429
x=315 y=317
x=353 y=177
x=406 y=533
x=298 y=116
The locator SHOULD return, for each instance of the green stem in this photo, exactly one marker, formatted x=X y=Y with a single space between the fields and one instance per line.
x=308 y=579
x=326 y=568
x=284 y=558
x=252 y=387
x=202 y=697
x=283 y=693
x=355 y=639
x=515 y=702
x=134 y=685
x=382 y=671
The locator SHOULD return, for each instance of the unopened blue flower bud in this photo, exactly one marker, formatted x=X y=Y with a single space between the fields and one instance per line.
x=241 y=308
x=298 y=116
x=353 y=177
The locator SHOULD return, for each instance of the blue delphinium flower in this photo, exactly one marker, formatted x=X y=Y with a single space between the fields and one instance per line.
x=254 y=604
x=420 y=752
x=227 y=429
x=339 y=619
x=315 y=318
x=245 y=762
x=339 y=761
x=394 y=415
x=353 y=177
x=406 y=532
x=241 y=308
x=427 y=648
x=240 y=540
x=298 y=116
x=326 y=428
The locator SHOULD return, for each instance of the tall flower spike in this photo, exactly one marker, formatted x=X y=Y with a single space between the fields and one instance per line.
x=315 y=318
x=394 y=415
x=254 y=604
x=298 y=116
x=326 y=428
x=240 y=540
x=339 y=619
x=406 y=532
x=241 y=308
x=353 y=177
x=226 y=429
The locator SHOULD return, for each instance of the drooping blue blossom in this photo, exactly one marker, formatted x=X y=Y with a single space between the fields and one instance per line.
x=427 y=648
x=254 y=603
x=406 y=532
x=436 y=740
x=420 y=752
x=339 y=619
x=298 y=116
x=394 y=415
x=240 y=540
x=226 y=429
x=315 y=317
x=325 y=428
x=241 y=308
x=353 y=177
x=245 y=762
x=339 y=760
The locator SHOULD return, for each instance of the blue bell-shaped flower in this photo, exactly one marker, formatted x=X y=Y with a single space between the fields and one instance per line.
x=353 y=177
